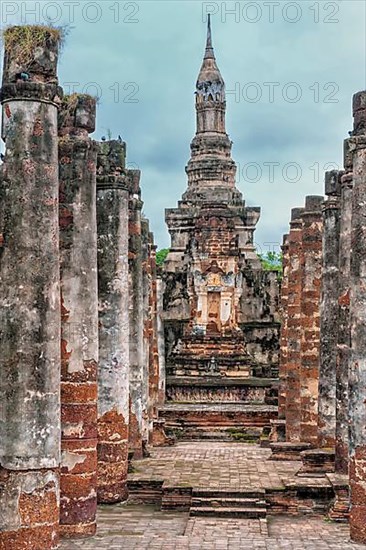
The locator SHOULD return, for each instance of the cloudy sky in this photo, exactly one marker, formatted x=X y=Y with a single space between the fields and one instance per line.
x=290 y=69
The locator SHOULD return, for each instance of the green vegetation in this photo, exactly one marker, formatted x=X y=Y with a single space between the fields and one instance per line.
x=161 y=255
x=271 y=261
x=28 y=37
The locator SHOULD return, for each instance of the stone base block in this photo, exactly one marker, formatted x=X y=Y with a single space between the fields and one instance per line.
x=278 y=431
x=339 y=510
x=316 y=462
x=288 y=451
x=158 y=437
x=83 y=530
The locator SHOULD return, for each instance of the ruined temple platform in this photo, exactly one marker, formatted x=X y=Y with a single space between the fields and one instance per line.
x=182 y=477
x=222 y=389
x=238 y=421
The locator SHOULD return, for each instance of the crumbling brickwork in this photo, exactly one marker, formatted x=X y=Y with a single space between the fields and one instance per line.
x=295 y=263
x=113 y=292
x=310 y=318
x=344 y=329
x=284 y=329
x=340 y=358
x=79 y=315
x=300 y=335
x=357 y=366
x=138 y=382
x=29 y=292
x=329 y=311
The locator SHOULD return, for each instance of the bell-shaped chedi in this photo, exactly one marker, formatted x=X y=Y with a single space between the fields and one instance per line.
x=220 y=314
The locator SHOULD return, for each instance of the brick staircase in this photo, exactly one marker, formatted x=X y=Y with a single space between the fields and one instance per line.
x=202 y=355
x=247 y=504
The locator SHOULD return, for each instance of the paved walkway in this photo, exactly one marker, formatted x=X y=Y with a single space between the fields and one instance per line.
x=144 y=527
x=211 y=464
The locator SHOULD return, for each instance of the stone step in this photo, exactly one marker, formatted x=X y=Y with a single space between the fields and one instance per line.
x=220 y=502
x=226 y=433
x=251 y=513
x=200 y=492
x=197 y=434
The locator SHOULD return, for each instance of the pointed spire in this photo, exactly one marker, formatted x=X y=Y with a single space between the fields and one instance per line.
x=209 y=70
x=209 y=53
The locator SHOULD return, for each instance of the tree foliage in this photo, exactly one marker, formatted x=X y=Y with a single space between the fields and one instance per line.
x=271 y=261
x=161 y=255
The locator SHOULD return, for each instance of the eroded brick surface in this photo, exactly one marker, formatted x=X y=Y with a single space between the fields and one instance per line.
x=29 y=294
x=113 y=372
x=79 y=314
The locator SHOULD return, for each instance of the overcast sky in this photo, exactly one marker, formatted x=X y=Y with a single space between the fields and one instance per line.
x=290 y=69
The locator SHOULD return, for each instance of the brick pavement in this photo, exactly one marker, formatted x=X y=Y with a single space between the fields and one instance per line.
x=208 y=464
x=144 y=527
x=214 y=465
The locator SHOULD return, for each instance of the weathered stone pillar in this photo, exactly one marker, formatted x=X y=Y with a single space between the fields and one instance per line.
x=136 y=316
x=79 y=316
x=113 y=372
x=278 y=425
x=294 y=329
x=284 y=335
x=161 y=339
x=147 y=328
x=357 y=371
x=310 y=317
x=29 y=293
x=344 y=330
x=329 y=311
x=153 y=337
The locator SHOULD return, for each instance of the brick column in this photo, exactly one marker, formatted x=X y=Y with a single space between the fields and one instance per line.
x=293 y=405
x=284 y=330
x=153 y=349
x=310 y=317
x=29 y=293
x=329 y=311
x=344 y=331
x=113 y=375
x=136 y=316
x=357 y=371
x=79 y=316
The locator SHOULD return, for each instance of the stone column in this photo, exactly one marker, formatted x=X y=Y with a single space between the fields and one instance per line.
x=344 y=331
x=310 y=317
x=153 y=347
x=294 y=326
x=147 y=326
x=113 y=372
x=30 y=292
x=283 y=335
x=161 y=339
x=136 y=316
x=79 y=316
x=329 y=311
x=357 y=371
